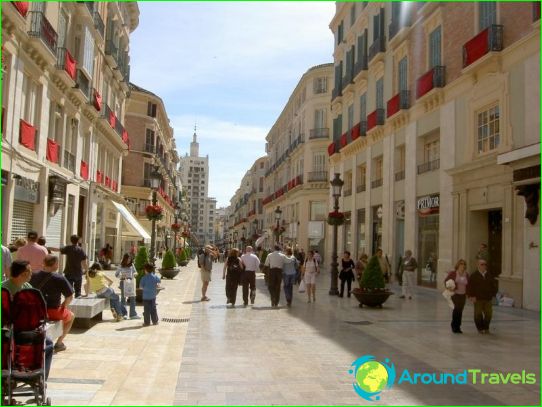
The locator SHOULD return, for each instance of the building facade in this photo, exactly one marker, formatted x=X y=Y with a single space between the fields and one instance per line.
x=436 y=135
x=152 y=147
x=195 y=179
x=297 y=173
x=65 y=81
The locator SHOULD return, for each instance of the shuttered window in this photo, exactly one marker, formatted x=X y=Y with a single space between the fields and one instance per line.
x=403 y=66
x=380 y=93
x=487 y=14
x=363 y=107
x=54 y=228
x=320 y=118
x=350 y=116
x=22 y=219
x=319 y=161
x=88 y=55
x=434 y=47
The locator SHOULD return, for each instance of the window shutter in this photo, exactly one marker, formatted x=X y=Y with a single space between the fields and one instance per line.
x=363 y=107
x=380 y=93
x=487 y=14
x=434 y=47
x=403 y=74
x=376 y=29
x=88 y=57
x=381 y=23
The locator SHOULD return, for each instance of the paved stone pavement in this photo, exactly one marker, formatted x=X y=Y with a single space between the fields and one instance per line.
x=301 y=355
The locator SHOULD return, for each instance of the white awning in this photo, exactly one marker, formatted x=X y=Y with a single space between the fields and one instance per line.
x=132 y=221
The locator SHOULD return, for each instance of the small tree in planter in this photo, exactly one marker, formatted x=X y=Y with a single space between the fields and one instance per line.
x=168 y=269
x=182 y=258
x=140 y=260
x=373 y=292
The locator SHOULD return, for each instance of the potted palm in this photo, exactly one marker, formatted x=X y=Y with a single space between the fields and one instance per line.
x=168 y=269
x=373 y=291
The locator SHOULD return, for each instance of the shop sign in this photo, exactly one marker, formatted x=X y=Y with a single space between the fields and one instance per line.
x=26 y=190
x=428 y=205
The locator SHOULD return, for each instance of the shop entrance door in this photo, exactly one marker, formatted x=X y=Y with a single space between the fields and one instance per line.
x=494 y=241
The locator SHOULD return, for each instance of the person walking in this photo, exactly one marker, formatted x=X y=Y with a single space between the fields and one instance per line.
x=251 y=264
x=149 y=283
x=410 y=265
x=461 y=280
x=99 y=283
x=384 y=265
x=32 y=252
x=275 y=262
x=317 y=257
x=233 y=272
x=76 y=262
x=289 y=276
x=127 y=274
x=347 y=274
x=6 y=262
x=205 y=263
x=54 y=286
x=481 y=289
x=311 y=269
x=361 y=265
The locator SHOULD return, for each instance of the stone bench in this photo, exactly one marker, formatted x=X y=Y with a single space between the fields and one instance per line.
x=87 y=309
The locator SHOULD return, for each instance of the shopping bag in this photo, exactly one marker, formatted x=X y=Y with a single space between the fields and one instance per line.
x=302 y=286
x=129 y=287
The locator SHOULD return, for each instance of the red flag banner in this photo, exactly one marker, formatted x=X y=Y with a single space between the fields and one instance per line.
x=107 y=181
x=69 y=65
x=84 y=170
x=97 y=101
x=99 y=177
x=21 y=6
x=52 y=151
x=27 y=135
x=112 y=119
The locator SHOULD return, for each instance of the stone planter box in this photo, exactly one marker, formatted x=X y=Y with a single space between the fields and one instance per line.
x=169 y=273
x=371 y=299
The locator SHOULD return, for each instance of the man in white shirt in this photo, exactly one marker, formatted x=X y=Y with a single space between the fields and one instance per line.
x=6 y=262
x=251 y=263
x=275 y=262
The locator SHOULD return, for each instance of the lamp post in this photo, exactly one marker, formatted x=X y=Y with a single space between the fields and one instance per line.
x=235 y=238
x=278 y=214
x=177 y=210
x=243 y=239
x=156 y=178
x=336 y=186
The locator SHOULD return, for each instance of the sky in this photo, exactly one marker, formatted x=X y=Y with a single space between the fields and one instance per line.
x=230 y=67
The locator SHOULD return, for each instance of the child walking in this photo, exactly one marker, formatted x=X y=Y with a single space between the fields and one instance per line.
x=149 y=284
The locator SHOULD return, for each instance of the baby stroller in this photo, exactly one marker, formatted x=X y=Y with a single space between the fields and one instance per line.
x=23 y=347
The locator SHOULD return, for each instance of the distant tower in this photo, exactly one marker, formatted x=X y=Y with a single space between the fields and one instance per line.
x=194 y=145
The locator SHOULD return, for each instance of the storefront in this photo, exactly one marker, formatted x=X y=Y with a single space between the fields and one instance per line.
x=26 y=196
x=377 y=228
x=428 y=229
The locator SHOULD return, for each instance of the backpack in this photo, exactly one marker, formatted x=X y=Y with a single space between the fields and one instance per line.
x=235 y=267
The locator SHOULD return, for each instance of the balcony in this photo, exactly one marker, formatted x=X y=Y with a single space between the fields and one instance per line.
x=318 y=176
x=337 y=92
x=429 y=166
x=398 y=102
x=65 y=61
x=434 y=78
x=112 y=52
x=361 y=188
x=149 y=148
x=487 y=40
x=375 y=118
x=378 y=46
x=319 y=133
x=400 y=175
x=83 y=83
x=99 y=23
x=347 y=191
x=333 y=148
x=361 y=65
x=376 y=183
x=347 y=79
x=69 y=161
x=42 y=29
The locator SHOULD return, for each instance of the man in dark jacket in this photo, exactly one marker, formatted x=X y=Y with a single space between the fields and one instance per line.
x=481 y=289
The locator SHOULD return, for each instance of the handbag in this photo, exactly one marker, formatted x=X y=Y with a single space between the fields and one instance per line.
x=129 y=287
x=302 y=286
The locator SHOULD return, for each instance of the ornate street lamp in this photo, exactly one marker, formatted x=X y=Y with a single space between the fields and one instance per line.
x=177 y=210
x=336 y=187
x=156 y=179
x=243 y=238
x=278 y=214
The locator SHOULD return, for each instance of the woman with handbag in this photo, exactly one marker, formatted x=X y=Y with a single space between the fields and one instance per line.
x=127 y=274
x=347 y=274
x=461 y=279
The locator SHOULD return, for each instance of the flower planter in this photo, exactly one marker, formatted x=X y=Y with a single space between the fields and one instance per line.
x=371 y=298
x=169 y=273
x=183 y=263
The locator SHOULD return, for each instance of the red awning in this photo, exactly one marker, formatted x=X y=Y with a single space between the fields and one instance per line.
x=27 y=135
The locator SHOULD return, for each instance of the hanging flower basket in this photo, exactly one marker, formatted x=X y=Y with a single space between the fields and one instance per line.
x=154 y=212
x=335 y=218
x=278 y=230
x=175 y=227
x=185 y=234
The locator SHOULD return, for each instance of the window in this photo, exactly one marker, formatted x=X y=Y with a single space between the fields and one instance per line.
x=151 y=109
x=319 y=160
x=320 y=85
x=318 y=211
x=403 y=74
x=362 y=242
x=434 y=47
x=31 y=100
x=88 y=53
x=261 y=184
x=400 y=158
x=431 y=151
x=149 y=141
x=340 y=32
x=378 y=165
x=353 y=14
x=350 y=117
x=488 y=130
x=361 y=178
x=380 y=93
x=62 y=27
x=363 y=107
x=147 y=169
x=56 y=118
x=487 y=14
x=320 y=119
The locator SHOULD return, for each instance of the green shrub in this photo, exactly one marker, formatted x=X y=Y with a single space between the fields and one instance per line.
x=168 y=262
x=140 y=260
x=372 y=277
x=181 y=256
